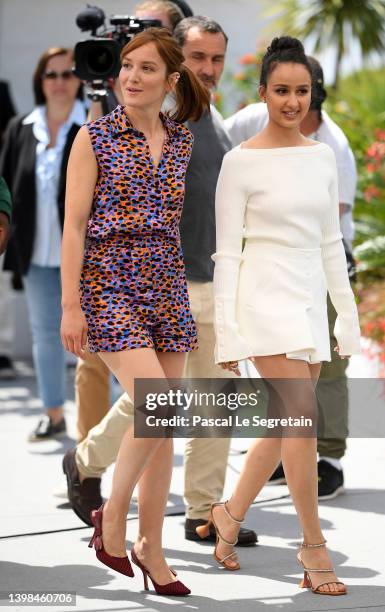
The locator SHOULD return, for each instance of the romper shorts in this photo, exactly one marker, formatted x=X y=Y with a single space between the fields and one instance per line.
x=134 y=294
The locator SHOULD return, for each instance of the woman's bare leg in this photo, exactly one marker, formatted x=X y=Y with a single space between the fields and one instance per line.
x=261 y=460
x=299 y=458
x=134 y=455
x=154 y=486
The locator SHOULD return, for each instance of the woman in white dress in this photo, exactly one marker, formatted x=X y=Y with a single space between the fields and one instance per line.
x=278 y=190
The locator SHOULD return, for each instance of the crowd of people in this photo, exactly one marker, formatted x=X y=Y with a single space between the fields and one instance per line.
x=162 y=241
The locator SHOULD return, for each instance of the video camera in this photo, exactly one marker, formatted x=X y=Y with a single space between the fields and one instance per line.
x=98 y=59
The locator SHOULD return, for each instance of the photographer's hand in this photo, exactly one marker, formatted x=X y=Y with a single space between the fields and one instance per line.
x=96 y=108
x=337 y=350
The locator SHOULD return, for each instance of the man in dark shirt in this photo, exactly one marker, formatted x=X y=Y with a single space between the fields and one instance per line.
x=204 y=47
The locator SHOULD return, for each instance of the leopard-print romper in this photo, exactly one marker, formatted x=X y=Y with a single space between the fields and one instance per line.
x=133 y=285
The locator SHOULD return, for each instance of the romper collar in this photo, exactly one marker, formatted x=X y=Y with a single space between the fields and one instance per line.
x=121 y=123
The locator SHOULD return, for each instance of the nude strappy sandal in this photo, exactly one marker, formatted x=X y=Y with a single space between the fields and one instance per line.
x=306 y=581
x=203 y=532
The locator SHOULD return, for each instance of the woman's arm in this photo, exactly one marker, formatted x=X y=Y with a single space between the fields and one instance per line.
x=82 y=175
x=347 y=328
x=230 y=206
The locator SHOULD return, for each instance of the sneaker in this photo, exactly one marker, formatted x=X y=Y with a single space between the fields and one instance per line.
x=277 y=477
x=330 y=481
x=246 y=537
x=7 y=369
x=47 y=430
x=61 y=490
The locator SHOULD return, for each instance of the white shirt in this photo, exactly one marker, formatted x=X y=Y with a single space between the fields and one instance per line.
x=287 y=197
x=253 y=118
x=48 y=234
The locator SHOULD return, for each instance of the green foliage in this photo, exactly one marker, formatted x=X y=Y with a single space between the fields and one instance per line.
x=359 y=109
x=332 y=23
x=371 y=256
x=367 y=226
x=247 y=79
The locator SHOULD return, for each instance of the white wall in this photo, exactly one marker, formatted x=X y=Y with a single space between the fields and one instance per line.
x=28 y=27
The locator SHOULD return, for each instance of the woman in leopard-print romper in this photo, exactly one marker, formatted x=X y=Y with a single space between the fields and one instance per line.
x=121 y=248
x=133 y=286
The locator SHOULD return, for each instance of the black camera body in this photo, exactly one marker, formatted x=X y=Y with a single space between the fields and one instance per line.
x=98 y=59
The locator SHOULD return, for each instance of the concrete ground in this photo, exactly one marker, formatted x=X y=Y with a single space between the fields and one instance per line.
x=43 y=545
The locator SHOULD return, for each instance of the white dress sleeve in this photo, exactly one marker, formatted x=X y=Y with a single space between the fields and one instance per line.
x=230 y=206
x=347 y=328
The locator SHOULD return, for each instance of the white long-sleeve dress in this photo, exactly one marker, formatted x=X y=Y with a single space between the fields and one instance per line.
x=270 y=294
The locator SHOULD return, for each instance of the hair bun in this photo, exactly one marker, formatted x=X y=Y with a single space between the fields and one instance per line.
x=283 y=49
x=285 y=43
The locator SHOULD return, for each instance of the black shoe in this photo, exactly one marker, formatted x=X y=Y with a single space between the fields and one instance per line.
x=246 y=537
x=330 y=481
x=7 y=369
x=47 y=430
x=277 y=477
x=83 y=497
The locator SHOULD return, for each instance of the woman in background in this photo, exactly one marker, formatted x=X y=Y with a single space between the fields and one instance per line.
x=34 y=163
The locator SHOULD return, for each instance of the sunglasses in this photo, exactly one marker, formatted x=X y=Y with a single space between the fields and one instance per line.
x=52 y=75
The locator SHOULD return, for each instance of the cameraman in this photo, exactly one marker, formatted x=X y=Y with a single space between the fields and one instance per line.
x=169 y=15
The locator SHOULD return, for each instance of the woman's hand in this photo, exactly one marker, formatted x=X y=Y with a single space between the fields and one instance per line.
x=73 y=330
x=337 y=350
x=232 y=366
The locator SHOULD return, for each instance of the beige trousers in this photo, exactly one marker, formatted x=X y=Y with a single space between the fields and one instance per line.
x=205 y=459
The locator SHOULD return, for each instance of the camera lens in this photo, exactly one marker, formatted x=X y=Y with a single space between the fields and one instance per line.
x=100 y=61
x=97 y=59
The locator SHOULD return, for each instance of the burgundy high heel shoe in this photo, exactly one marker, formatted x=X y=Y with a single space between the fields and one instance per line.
x=119 y=564
x=172 y=588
